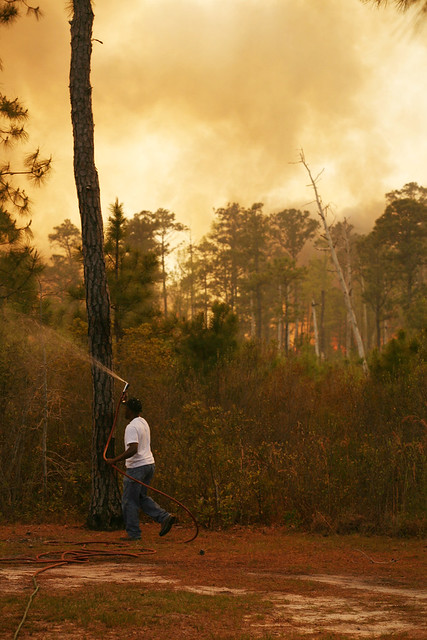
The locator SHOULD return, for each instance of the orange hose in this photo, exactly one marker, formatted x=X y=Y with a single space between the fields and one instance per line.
x=52 y=560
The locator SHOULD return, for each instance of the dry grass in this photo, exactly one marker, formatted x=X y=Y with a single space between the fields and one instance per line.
x=249 y=583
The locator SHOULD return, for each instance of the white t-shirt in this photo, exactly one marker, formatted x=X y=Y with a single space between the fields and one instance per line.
x=138 y=431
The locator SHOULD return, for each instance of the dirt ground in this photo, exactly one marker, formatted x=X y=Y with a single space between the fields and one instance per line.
x=318 y=586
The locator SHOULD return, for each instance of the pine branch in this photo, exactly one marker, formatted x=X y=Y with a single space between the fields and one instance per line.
x=10 y=10
x=401 y=5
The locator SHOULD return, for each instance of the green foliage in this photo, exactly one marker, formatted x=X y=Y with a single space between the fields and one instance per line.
x=402 y=231
x=19 y=269
x=400 y=356
x=62 y=286
x=67 y=237
x=164 y=228
x=202 y=347
x=131 y=273
x=239 y=249
x=291 y=229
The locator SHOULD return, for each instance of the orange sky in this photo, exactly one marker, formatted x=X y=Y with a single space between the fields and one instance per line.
x=201 y=102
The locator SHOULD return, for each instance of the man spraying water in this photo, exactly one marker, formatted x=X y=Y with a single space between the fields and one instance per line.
x=140 y=465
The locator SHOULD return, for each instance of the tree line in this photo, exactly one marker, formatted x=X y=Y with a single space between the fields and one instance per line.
x=273 y=271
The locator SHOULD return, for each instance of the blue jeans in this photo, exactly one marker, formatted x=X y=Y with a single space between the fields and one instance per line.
x=135 y=498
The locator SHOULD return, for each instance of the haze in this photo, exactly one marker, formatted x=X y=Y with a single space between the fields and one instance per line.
x=198 y=103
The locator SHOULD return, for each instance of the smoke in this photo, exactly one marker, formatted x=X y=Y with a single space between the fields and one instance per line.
x=198 y=103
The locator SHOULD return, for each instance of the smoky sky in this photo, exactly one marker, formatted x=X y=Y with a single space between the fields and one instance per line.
x=198 y=103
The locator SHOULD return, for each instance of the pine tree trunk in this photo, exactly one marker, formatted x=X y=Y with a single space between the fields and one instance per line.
x=105 y=511
x=117 y=310
x=286 y=340
x=349 y=278
x=322 y=332
x=165 y=295
x=280 y=322
x=258 y=312
x=253 y=320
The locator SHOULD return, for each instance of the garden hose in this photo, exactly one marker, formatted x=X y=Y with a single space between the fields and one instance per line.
x=52 y=560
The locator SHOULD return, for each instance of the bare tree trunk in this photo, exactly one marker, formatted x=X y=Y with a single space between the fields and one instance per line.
x=322 y=337
x=253 y=319
x=316 y=332
x=117 y=309
x=385 y=332
x=287 y=319
x=45 y=394
x=349 y=277
x=258 y=312
x=105 y=511
x=338 y=269
x=297 y=320
x=365 y=315
x=165 y=295
x=206 y=299
x=280 y=322
x=378 y=327
x=191 y=281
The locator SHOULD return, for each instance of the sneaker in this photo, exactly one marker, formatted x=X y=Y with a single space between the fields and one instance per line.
x=167 y=525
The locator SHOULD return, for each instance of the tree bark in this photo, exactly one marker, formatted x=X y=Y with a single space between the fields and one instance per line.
x=104 y=511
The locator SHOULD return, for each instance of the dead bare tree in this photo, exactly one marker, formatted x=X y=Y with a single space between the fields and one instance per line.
x=322 y=211
x=316 y=331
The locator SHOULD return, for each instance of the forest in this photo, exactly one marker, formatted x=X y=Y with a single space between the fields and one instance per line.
x=241 y=351
x=280 y=359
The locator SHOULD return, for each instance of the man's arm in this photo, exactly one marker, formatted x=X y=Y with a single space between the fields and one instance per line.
x=130 y=451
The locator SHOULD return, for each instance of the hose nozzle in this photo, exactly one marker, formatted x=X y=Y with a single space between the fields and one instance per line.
x=125 y=388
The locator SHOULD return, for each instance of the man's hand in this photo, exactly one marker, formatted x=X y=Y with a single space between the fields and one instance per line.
x=130 y=451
